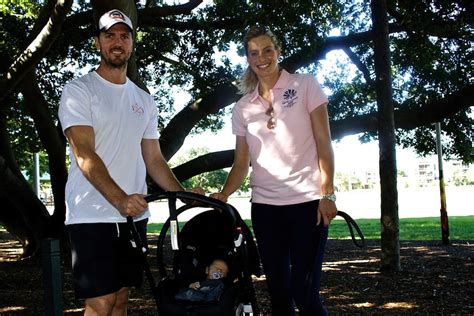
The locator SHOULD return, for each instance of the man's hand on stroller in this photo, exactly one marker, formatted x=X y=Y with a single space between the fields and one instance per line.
x=132 y=205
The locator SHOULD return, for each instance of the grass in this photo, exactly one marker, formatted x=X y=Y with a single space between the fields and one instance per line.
x=429 y=228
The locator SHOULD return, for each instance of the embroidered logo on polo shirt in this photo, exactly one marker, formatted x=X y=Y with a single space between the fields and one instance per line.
x=289 y=98
x=138 y=109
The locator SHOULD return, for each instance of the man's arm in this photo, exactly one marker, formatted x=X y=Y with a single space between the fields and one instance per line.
x=157 y=167
x=82 y=143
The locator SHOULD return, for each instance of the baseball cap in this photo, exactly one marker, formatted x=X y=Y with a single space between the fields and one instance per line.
x=112 y=17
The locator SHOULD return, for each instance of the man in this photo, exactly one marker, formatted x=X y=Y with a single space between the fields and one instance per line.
x=111 y=126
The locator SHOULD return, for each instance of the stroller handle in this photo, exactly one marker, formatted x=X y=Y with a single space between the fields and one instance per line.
x=193 y=197
x=185 y=195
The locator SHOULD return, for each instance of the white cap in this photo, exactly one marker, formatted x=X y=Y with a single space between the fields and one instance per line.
x=109 y=19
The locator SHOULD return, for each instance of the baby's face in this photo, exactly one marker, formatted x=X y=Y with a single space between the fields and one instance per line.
x=218 y=266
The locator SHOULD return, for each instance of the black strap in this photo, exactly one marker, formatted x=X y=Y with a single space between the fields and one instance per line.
x=351 y=223
x=139 y=244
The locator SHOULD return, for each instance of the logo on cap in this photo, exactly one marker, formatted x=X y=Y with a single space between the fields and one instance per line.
x=116 y=14
x=113 y=17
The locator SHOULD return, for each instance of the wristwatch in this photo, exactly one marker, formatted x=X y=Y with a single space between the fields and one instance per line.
x=330 y=197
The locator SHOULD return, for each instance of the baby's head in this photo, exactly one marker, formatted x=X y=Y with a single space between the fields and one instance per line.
x=218 y=269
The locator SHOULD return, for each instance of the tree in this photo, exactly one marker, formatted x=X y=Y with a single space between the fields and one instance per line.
x=386 y=132
x=44 y=44
x=210 y=181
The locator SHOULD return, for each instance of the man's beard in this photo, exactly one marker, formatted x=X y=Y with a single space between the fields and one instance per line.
x=115 y=62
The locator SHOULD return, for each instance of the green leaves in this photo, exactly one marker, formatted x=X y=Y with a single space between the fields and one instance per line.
x=185 y=57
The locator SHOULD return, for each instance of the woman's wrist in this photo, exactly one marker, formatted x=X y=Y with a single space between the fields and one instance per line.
x=329 y=196
x=225 y=194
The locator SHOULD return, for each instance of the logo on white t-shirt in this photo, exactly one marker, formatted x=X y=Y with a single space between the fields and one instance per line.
x=138 y=109
x=289 y=98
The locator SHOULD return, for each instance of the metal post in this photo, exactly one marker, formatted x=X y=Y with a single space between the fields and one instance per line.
x=443 y=211
x=51 y=261
x=36 y=174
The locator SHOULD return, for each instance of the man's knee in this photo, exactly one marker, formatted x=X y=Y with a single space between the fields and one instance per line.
x=101 y=305
x=107 y=304
x=121 y=298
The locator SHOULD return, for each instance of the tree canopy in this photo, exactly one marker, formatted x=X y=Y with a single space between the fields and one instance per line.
x=45 y=44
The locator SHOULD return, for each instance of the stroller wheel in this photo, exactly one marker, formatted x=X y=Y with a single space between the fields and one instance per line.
x=244 y=310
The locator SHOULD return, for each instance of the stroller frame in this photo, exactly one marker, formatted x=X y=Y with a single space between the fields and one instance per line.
x=193 y=200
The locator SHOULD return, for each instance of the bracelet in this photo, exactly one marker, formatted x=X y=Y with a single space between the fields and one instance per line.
x=331 y=197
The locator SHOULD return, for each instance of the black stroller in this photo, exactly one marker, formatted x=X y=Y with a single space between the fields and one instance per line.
x=219 y=232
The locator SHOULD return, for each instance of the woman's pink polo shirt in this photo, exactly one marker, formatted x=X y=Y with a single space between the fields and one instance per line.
x=284 y=160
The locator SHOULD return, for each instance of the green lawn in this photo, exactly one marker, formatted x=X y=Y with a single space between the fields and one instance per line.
x=460 y=228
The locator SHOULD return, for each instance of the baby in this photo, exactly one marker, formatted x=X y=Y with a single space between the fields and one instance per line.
x=210 y=289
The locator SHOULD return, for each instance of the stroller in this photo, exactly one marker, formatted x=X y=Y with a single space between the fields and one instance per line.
x=218 y=232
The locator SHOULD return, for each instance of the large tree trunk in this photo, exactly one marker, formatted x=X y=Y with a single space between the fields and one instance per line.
x=386 y=127
x=10 y=216
x=54 y=144
x=22 y=212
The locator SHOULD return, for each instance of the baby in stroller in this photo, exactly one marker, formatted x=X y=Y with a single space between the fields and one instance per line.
x=209 y=289
x=217 y=249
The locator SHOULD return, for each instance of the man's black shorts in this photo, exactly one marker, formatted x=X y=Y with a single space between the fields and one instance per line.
x=104 y=259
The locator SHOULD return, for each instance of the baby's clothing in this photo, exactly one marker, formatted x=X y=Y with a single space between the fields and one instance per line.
x=209 y=291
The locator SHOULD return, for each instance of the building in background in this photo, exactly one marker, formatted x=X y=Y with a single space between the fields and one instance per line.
x=422 y=172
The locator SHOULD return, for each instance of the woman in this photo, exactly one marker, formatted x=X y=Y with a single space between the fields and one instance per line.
x=282 y=129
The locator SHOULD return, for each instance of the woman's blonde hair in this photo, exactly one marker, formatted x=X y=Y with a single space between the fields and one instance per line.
x=248 y=81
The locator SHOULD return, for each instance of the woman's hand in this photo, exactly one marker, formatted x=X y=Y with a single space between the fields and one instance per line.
x=327 y=210
x=220 y=196
x=197 y=190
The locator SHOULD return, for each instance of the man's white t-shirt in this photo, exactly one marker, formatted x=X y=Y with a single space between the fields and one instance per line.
x=121 y=116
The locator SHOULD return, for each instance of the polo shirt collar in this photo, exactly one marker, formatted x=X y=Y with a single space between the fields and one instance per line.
x=280 y=84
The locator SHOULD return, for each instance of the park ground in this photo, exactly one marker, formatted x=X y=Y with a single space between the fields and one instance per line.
x=435 y=279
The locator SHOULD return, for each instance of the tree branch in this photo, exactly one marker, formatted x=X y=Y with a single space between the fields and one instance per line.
x=172 y=137
x=435 y=26
x=182 y=9
x=36 y=50
x=429 y=113
x=50 y=138
x=405 y=119
x=362 y=68
x=208 y=162
x=146 y=17
x=19 y=193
